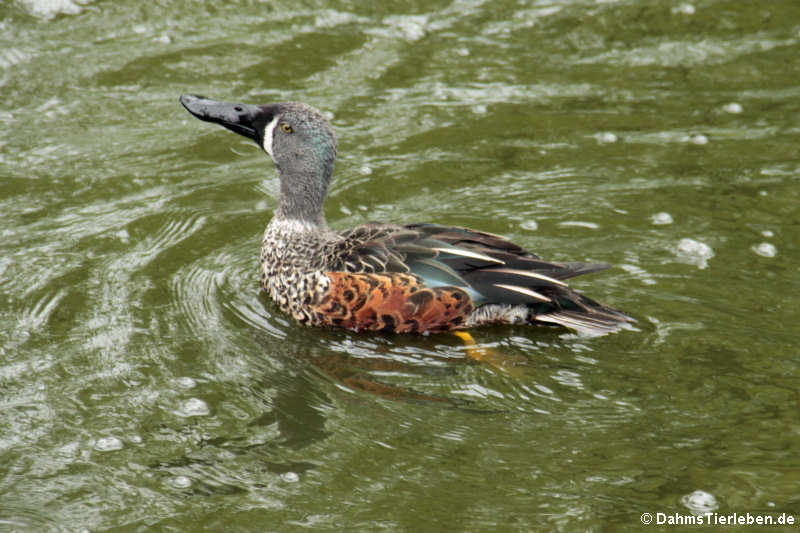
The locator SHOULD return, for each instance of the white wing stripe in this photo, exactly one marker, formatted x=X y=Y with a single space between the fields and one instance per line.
x=528 y=274
x=523 y=290
x=467 y=253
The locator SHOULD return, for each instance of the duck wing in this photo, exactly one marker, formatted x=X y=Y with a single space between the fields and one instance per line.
x=489 y=267
x=494 y=272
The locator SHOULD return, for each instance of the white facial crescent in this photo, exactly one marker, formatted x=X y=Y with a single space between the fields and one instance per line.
x=268 y=131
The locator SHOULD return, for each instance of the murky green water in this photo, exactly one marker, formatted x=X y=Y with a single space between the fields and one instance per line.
x=147 y=385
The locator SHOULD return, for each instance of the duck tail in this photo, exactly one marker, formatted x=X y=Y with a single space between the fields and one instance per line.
x=591 y=318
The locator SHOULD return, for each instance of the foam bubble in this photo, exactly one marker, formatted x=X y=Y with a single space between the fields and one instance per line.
x=700 y=502
x=290 y=477
x=694 y=252
x=194 y=407
x=765 y=249
x=108 y=444
x=181 y=482
x=661 y=219
x=606 y=137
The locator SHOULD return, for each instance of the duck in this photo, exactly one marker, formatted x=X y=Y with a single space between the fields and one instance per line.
x=397 y=278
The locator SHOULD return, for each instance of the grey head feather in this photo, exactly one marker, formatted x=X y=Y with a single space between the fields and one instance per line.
x=303 y=147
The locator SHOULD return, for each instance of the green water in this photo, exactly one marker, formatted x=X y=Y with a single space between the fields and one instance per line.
x=147 y=385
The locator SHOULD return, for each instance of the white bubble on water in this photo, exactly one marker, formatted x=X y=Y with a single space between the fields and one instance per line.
x=733 y=108
x=685 y=9
x=660 y=219
x=530 y=225
x=765 y=249
x=194 y=407
x=606 y=137
x=290 y=477
x=181 y=482
x=700 y=502
x=694 y=252
x=185 y=382
x=108 y=444
x=48 y=9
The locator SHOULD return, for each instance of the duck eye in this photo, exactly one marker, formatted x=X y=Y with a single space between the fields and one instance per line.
x=286 y=128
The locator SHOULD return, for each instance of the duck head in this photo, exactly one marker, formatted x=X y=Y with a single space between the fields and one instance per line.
x=297 y=137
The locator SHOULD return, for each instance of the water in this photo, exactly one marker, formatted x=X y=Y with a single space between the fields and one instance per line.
x=147 y=384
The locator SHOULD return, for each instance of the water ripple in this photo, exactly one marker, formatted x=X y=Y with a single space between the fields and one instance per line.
x=21 y=518
x=148 y=383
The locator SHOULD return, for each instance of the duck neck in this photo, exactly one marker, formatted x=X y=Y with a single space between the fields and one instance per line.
x=302 y=201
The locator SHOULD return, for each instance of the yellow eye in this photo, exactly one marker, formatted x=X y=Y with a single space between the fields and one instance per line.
x=286 y=128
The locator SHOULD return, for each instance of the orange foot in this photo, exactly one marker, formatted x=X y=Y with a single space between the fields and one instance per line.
x=489 y=356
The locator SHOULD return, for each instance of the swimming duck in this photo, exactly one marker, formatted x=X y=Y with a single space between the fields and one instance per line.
x=396 y=278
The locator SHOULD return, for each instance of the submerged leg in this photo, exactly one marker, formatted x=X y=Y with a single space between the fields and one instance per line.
x=488 y=356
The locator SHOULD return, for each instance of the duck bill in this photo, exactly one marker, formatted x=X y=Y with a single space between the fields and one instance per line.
x=245 y=119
